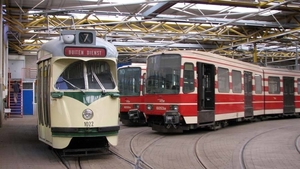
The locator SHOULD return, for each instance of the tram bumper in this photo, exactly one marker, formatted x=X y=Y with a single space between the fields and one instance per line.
x=135 y=115
x=172 y=123
x=172 y=117
x=163 y=129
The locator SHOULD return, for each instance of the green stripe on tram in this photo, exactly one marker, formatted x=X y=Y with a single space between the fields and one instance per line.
x=54 y=134
x=85 y=97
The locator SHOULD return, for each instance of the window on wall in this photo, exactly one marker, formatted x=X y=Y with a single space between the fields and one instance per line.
x=298 y=85
x=274 y=85
x=258 y=84
x=223 y=80
x=236 y=81
x=188 y=78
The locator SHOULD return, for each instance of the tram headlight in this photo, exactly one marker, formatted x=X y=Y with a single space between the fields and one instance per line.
x=136 y=106
x=68 y=38
x=149 y=106
x=174 y=107
x=87 y=114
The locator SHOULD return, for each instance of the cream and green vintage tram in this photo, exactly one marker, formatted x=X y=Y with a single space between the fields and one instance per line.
x=76 y=91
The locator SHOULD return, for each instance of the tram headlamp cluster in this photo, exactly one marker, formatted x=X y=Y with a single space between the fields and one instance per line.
x=174 y=107
x=149 y=106
x=136 y=106
x=68 y=38
x=87 y=114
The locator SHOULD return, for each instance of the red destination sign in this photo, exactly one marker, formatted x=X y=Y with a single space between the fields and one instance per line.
x=84 y=52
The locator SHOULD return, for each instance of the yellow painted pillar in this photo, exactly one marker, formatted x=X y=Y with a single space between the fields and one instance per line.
x=254 y=53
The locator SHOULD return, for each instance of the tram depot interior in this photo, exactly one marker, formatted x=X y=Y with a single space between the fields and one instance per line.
x=263 y=32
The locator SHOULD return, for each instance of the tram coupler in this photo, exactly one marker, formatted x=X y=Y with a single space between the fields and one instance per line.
x=134 y=115
x=172 y=118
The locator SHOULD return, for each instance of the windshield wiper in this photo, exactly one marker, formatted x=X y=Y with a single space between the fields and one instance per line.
x=75 y=87
x=98 y=81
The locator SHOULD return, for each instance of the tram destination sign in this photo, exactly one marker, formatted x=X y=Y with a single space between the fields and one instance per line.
x=84 y=52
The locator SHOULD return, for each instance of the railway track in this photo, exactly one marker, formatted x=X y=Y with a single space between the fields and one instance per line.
x=242 y=157
x=76 y=161
x=199 y=159
x=138 y=162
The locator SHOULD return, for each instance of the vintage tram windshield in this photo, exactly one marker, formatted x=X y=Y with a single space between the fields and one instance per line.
x=98 y=76
x=129 y=80
x=163 y=74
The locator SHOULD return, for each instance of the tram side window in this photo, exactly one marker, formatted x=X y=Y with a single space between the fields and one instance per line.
x=298 y=85
x=188 y=78
x=274 y=85
x=39 y=95
x=223 y=80
x=144 y=84
x=258 y=84
x=48 y=94
x=236 y=81
x=45 y=83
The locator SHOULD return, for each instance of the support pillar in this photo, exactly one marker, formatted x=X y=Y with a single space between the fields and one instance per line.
x=296 y=60
x=1 y=66
x=254 y=53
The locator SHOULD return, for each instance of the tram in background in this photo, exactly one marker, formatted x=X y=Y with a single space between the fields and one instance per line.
x=77 y=95
x=131 y=87
x=190 y=89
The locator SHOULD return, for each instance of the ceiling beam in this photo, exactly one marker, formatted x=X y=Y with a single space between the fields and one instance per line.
x=158 y=9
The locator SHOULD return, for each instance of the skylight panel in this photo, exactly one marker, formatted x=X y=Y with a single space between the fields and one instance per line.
x=224 y=8
x=244 y=10
x=209 y=7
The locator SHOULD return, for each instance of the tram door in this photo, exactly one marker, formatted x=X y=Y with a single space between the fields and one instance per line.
x=206 y=92
x=248 y=106
x=288 y=95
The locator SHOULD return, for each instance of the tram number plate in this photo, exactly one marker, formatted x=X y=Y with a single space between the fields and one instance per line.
x=88 y=123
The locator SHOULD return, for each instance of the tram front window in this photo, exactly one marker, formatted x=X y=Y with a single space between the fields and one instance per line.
x=97 y=76
x=129 y=81
x=72 y=78
x=163 y=74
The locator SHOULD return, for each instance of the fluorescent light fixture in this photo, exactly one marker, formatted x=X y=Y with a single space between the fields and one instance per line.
x=271 y=47
x=28 y=41
x=78 y=15
x=268 y=13
x=123 y=2
x=35 y=11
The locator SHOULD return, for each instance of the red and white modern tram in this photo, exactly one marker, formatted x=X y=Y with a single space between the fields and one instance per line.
x=131 y=87
x=190 y=89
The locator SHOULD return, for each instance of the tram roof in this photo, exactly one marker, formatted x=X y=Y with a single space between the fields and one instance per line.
x=56 y=47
